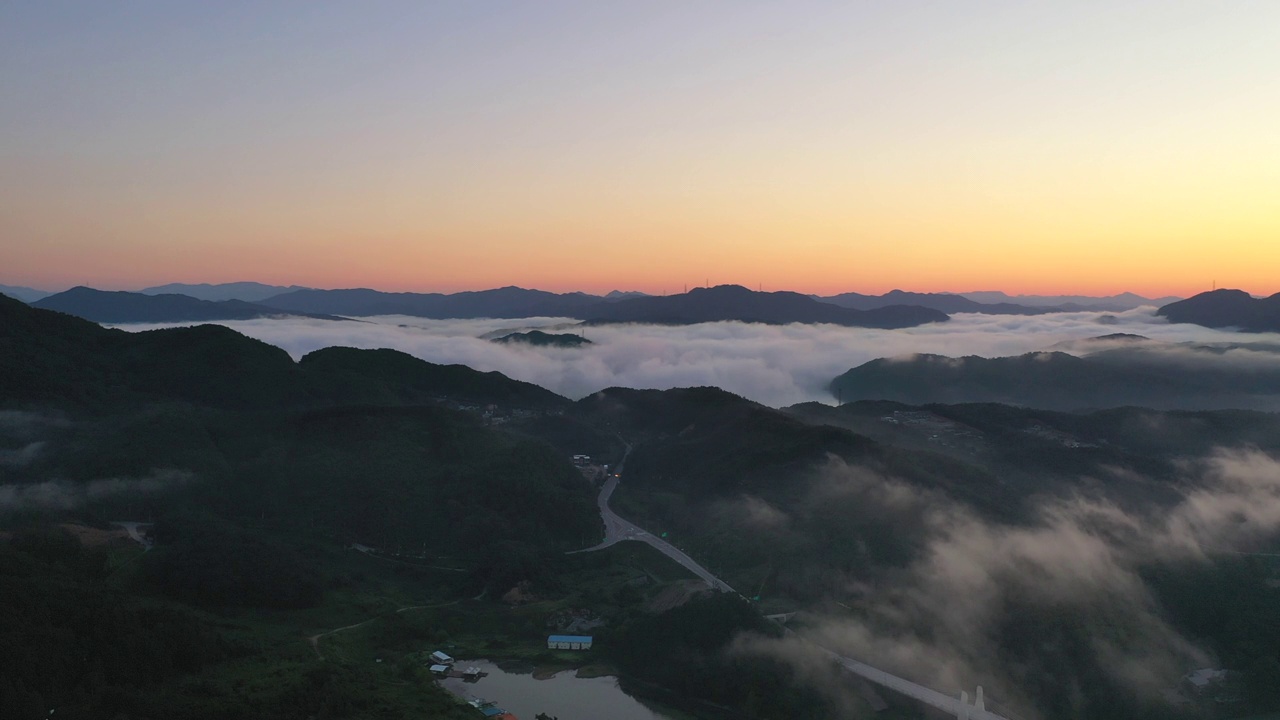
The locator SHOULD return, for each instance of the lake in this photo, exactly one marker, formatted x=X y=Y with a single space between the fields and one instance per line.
x=563 y=696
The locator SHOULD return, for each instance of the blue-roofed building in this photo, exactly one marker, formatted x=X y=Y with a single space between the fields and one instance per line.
x=492 y=711
x=569 y=642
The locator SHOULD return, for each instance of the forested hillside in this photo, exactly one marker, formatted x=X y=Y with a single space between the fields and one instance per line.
x=252 y=471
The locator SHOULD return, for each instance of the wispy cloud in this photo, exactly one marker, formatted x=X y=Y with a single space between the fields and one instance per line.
x=62 y=495
x=943 y=619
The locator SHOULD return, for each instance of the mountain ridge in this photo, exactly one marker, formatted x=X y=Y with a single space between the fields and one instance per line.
x=944 y=302
x=737 y=303
x=243 y=290
x=105 y=306
x=1113 y=303
x=25 y=294
x=1226 y=308
x=1127 y=371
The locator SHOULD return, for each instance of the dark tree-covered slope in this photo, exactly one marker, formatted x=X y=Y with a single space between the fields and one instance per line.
x=50 y=358
x=1152 y=375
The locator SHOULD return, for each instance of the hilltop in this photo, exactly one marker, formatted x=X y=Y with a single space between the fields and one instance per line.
x=1227 y=309
x=538 y=338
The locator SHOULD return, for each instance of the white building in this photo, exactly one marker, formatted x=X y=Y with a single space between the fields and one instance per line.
x=1204 y=679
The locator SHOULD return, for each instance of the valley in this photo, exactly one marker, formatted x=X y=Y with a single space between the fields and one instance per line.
x=317 y=526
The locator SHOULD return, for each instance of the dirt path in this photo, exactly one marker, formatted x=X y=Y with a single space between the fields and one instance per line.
x=314 y=640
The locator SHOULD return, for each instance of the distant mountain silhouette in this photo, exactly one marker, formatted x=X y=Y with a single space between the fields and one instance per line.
x=727 y=302
x=945 y=302
x=25 y=294
x=126 y=307
x=542 y=339
x=1226 y=308
x=1132 y=371
x=507 y=302
x=1111 y=303
x=734 y=302
x=246 y=291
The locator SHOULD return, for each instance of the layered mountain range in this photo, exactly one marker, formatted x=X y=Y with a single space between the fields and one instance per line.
x=126 y=307
x=242 y=301
x=734 y=302
x=723 y=302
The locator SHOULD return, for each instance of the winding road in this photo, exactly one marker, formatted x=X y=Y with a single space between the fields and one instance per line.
x=617 y=529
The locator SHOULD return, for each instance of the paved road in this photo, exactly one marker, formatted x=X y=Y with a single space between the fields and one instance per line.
x=945 y=703
x=617 y=529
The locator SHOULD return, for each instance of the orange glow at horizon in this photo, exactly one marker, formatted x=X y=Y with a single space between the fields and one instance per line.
x=1055 y=150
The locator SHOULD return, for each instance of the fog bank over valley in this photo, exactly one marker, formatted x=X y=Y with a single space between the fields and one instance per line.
x=941 y=619
x=774 y=365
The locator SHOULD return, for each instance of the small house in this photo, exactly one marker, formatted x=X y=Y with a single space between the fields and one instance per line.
x=569 y=642
x=1204 y=679
x=439 y=669
x=440 y=658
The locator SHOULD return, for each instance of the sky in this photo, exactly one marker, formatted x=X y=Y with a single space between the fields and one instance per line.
x=1085 y=147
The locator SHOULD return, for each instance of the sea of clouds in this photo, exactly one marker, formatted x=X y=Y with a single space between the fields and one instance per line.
x=777 y=365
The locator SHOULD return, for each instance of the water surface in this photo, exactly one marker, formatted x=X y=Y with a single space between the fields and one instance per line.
x=563 y=696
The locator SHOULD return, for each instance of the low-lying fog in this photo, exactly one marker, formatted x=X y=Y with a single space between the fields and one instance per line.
x=774 y=365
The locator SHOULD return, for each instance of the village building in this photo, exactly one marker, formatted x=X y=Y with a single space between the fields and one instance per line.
x=569 y=642
x=1204 y=679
